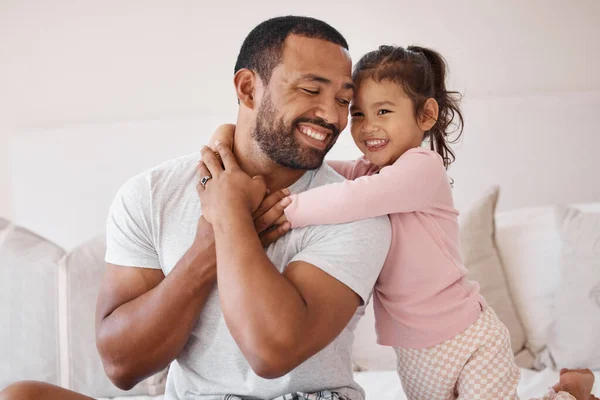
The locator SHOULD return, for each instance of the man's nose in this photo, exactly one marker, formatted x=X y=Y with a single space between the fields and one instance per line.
x=329 y=112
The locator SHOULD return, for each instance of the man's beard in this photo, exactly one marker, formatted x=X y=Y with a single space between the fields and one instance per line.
x=277 y=140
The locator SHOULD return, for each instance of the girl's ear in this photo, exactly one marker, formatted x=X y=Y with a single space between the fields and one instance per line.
x=428 y=115
x=245 y=87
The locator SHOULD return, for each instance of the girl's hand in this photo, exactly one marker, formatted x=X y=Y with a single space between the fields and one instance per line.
x=223 y=134
x=269 y=219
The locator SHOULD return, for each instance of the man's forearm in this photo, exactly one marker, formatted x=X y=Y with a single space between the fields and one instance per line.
x=142 y=336
x=262 y=308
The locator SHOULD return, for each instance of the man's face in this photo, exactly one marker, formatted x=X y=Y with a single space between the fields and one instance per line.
x=305 y=106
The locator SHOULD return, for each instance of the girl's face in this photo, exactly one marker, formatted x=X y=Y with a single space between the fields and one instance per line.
x=383 y=122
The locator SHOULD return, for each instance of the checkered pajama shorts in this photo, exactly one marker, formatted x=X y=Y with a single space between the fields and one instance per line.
x=475 y=364
x=322 y=395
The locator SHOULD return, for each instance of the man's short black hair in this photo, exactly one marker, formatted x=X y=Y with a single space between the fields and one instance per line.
x=263 y=47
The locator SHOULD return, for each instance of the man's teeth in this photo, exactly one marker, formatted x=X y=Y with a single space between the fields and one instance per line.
x=376 y=142
x=313 y=134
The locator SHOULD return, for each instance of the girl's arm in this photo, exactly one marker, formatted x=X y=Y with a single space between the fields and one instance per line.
x=408 y=185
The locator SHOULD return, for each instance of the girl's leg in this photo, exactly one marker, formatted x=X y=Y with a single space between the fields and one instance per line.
x=491 y=372
x=426 y=374
x=433 y=373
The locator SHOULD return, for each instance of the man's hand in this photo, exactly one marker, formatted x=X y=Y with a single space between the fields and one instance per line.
x=226 y=187
x=269 y=220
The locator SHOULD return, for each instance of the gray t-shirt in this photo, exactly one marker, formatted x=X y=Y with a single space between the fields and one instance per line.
x=152 y=223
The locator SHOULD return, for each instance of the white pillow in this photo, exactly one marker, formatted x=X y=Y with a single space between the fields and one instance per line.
x=574 y=340
x=34 y=301
x=28 y=307
x=529 y=247
x=85 y=268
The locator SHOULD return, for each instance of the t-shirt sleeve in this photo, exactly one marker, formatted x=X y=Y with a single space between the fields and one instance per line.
x=352 y=253
x=129 y=234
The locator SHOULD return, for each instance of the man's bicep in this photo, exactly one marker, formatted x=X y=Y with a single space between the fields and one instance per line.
x=123 y=284
x=330 y=306
x=334 y=273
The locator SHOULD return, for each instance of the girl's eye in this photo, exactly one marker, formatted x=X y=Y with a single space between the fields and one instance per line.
x=356 y=114
x=381 y=112
x=311 y=91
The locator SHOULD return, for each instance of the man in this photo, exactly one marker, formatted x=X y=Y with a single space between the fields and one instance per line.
x=280 y=322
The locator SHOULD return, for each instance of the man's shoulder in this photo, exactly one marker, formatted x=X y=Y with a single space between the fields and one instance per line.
x=324 y=175
x=378 y=227
x=177 y=168
x=352 y=252
x=175 y=172
x=172 y=179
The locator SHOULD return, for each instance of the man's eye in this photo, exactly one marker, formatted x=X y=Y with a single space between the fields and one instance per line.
x=310 y=91
x=381 y=112
x=344 y=102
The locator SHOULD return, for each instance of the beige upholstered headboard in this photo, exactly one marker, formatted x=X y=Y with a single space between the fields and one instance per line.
x=539 y=149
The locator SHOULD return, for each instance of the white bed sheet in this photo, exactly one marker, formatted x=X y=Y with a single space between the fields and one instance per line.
x=385 y=385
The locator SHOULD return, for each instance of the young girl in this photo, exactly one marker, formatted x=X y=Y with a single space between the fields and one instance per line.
x=449 y=343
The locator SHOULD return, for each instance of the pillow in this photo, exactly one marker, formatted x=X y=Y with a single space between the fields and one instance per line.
x=28 y=308
x=47 y=312
x=529 y=248
x=574 y=341
x=85 y=267
x=367 y=354
x=480 y=256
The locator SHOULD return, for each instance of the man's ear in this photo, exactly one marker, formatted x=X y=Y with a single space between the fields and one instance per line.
x=429 y=115
x=245 y=87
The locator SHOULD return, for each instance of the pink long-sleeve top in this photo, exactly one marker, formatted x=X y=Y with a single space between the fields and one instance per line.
x=422 y=296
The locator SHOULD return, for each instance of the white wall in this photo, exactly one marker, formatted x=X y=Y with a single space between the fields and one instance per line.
x=63 y=63
x=541 y=149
